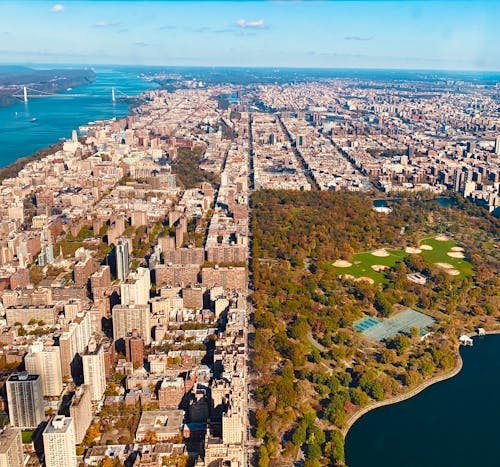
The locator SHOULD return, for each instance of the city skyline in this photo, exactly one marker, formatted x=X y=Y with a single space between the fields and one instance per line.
x=448 y=35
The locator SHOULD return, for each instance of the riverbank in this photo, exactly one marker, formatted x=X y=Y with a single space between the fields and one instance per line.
x=11 y=170
x=51 y=81
x=26 y=128
x=402 y=397
x=408 y=395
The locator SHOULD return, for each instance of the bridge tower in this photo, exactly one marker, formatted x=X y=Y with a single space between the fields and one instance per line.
x=25 y=90
x=113 y=98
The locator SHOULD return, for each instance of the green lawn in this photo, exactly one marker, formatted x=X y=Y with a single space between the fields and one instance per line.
x=362 y=264
x=439 y=254
x=27 y=436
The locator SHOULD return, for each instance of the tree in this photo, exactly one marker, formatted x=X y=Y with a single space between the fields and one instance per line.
x=400 y=343
x=263 y=456
x=338 y=449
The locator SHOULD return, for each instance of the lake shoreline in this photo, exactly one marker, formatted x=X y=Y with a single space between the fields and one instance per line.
x=408 y=395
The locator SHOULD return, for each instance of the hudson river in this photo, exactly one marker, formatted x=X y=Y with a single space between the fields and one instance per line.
x=453 y=423
x=57 y=115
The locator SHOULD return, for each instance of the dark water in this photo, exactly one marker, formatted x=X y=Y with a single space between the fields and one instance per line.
x=57 y=115
x=445 y=202
x=453 y=423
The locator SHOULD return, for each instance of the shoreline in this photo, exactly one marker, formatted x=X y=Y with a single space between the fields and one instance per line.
x=408 y=395
x=402 y=397
x=12 y=169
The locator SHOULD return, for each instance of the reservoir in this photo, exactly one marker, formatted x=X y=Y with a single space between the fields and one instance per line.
x=26 y=128
x=452 y=423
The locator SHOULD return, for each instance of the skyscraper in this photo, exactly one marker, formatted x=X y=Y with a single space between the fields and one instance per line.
x=135 y=290
x=127 y=318
x=497 y=146
x=93 y=370
x=59 y=442
x=80 y=411
x=122 y=259
x=11 y=448
x=46 y=362
x=25 y=399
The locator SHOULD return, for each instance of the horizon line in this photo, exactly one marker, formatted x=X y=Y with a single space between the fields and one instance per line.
x=241 y=67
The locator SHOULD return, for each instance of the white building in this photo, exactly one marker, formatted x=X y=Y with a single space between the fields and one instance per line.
x=94 y=374
x=59 y=442
x=11 y=448
x=46 y=362
x=135 y=290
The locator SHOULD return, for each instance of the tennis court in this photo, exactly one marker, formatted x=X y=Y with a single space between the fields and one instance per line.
x=365 y=323
x=402 y=322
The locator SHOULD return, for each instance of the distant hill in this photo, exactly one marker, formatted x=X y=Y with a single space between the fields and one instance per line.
x=14 y=77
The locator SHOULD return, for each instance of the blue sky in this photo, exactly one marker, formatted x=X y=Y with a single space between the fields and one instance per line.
x=453 y=35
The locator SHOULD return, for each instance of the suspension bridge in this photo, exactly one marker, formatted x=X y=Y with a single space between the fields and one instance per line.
x=30 y=93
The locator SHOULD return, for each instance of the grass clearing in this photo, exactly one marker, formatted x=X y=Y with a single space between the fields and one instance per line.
x=439 y=254
x=362 y=264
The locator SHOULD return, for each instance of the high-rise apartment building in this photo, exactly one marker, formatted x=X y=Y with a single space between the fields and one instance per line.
x=25 y=399
x=93 y=370
x=128 y=318
x=73 y=341
x=80 y=411
x=59 y=442
x=134 y=349
x=46 y=362
x=122 y=258
x=11 y=448
x=497 y=146
x=135 y=290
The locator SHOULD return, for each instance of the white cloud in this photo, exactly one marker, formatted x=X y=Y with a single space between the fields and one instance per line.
x=243 y=23
x=358 y=38
x=57 y=8
x=106 y=24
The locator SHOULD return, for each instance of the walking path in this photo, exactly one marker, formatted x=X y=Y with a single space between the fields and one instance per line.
x=401 y=397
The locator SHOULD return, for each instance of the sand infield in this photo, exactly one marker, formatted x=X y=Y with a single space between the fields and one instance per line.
x=342 y=263
x=380 y=252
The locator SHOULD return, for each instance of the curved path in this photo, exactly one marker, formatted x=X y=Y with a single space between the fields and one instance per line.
x=402 y=397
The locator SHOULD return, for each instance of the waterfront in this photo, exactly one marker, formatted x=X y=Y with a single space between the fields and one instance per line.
x=57 y=115
x=454 y=421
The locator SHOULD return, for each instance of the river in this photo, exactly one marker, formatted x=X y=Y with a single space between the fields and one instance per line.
x=57 y=115
x=452 y=423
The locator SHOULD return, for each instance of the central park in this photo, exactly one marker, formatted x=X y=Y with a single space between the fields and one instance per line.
x=317 y=275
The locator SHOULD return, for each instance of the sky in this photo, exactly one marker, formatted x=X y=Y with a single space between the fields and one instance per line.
x=447 y=35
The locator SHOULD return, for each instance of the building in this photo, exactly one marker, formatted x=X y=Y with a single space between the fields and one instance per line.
x=165 y=424
x=11 y=448
x=134 y=349
x=72 y=342
x=25 y=399
x=59 y=442
x=94 y=374
x=122 y=258
x=135 y=290
x=171 y=392
x=232 y=425
x=497 y=146
x=80 y=411
x=46 y=362
x=128 y=318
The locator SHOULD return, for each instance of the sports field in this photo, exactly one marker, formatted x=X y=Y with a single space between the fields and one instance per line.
x=439 y=254
x=402 y=322
x=441 y=251
x=365 y=264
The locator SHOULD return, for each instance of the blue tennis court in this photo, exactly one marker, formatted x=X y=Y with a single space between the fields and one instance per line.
x=365 y=323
